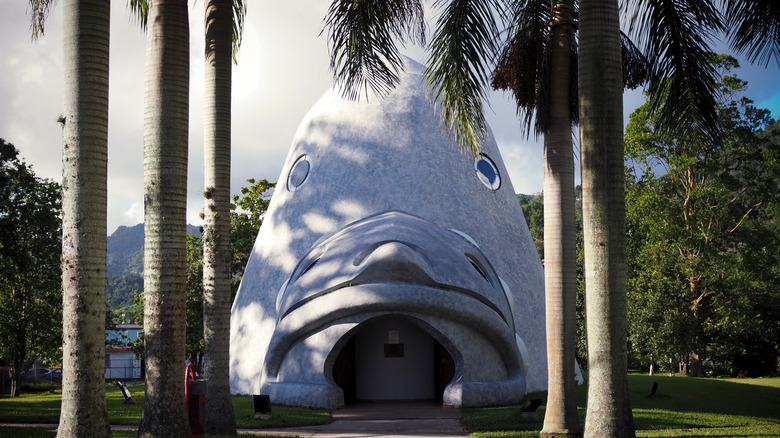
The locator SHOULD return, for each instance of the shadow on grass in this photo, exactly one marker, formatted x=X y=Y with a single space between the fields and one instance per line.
x=683 y=402
x=681 y=407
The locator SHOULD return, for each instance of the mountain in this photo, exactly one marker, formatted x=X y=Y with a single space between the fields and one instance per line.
x=125 y=263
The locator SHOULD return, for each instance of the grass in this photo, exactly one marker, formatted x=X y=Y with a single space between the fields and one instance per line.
x=682 y=407
x=44 y=408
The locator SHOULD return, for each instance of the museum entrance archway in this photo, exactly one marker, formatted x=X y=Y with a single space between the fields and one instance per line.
x=391 y=358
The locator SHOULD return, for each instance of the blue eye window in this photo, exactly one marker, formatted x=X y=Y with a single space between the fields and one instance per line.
x=298 y=173
x=487 y=172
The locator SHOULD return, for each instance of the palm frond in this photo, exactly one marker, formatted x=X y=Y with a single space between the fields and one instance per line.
x=39 y=12
x=636 y=67
x=675 y=35
x=361 y=36
x=754 y=28
x=140 y=9
x=522 y=58
x=239 y=16
x=458 y=71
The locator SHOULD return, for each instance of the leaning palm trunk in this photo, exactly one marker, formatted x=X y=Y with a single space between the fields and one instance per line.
x=216 y=231
x=85 y=138
x=560 y=270
x=165 y=194
x=603 y=210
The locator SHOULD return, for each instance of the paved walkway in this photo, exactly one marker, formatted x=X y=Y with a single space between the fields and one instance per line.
x=418 y=419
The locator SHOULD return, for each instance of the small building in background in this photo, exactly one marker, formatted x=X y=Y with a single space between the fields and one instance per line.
x=121 y=361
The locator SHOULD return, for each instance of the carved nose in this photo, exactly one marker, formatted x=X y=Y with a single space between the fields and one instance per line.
x=395 y=261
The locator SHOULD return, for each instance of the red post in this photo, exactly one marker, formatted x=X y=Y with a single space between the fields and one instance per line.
x=195 y=399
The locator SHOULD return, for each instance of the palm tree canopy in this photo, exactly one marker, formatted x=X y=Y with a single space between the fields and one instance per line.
x=463 y=47
x=676 y=36
x=140 y=9
x=523 y=66
x=39 y=12
x=754 y=28
x=361 y=36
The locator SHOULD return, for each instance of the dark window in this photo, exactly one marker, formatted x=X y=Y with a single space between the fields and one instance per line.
x=487 y=172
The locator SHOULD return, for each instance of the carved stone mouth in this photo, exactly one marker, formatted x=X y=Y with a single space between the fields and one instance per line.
x=395 y=248
x=393 y=263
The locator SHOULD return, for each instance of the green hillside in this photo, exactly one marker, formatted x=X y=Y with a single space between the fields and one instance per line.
x=125 y=264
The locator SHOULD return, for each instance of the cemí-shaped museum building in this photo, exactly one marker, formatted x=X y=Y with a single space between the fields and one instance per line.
x=391 y=265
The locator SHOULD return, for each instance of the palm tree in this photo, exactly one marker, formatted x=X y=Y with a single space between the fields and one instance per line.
x=166 y=123
x=560 y=259
x=603 y=211
x=754 y=28
x=675 y=35
x=85 y=148
x=538 y=64
x=224 y=22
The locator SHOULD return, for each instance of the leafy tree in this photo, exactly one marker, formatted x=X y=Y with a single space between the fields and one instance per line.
x=246 y=216
x=700 y=213
x=119 y=290
x=194 y=338
x=533 y=211
x=30 y=293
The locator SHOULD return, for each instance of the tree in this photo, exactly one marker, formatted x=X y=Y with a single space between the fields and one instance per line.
x=224 y=22
x=246 y=217
x=560 y=269
x=85 y=149
x=688 y=224
x=603 y=215
x=246 y=213
x=30 y=248
x=166 y=123
x=754 y=28
x=464 y=42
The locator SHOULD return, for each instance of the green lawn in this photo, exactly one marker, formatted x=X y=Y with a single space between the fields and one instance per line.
x=682 y=407
x=44 y=408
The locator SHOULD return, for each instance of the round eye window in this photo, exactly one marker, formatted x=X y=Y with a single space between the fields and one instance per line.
x=298 y=174
x=487 y=172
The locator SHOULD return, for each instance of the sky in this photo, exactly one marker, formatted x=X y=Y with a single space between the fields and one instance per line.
x=283 y=69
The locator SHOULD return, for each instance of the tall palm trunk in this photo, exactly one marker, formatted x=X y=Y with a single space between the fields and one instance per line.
x=603 y=210
x=560 y=270
x=84 y=158
x=165 y=195
x=216 y=231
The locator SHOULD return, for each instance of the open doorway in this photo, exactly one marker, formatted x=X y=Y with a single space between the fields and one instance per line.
x=392 y=358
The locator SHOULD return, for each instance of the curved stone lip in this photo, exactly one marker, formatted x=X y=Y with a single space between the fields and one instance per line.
x=390 y=299
x=431 y=244
x=443 y=287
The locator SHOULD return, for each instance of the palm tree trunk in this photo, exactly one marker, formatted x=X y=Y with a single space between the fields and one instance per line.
x=84 y=158
x=165 y=186
x=603 y=210
x=220 y=418
x=560 y=270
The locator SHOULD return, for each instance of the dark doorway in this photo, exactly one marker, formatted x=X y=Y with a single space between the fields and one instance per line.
x=344 y=371
x=345 y=375
x=444 y=369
